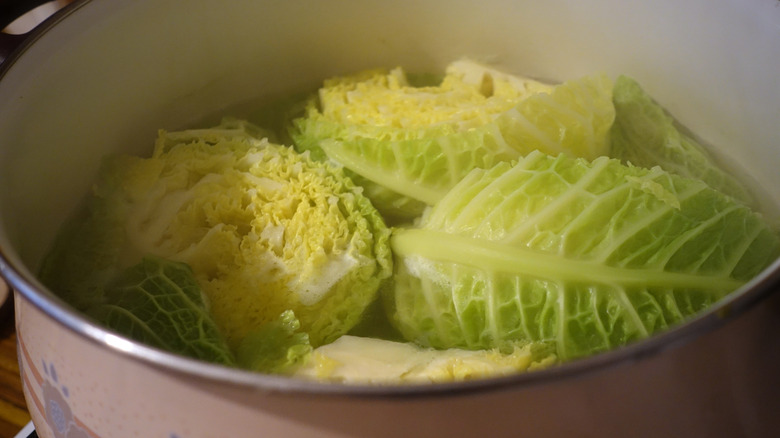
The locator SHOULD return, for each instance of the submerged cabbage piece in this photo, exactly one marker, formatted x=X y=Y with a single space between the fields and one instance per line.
x=264 y=229
x=159 y=303
x=360 y=360
x=276 y=347
x=588 y=255
x=645 y=135
x=408 y=145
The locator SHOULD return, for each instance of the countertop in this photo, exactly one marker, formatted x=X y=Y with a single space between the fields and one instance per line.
x=13 y=409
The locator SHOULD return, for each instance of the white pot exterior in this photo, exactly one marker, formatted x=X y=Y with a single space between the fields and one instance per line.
x=109 y=74
x=705 y=388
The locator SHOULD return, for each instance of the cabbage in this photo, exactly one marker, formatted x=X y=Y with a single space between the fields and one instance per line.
x=645 y=135
x=361 y=360
x=276 y=347
x=159 y=303
x=530 y=229
x=409 y=145
x=263 y=228
x=588 y=255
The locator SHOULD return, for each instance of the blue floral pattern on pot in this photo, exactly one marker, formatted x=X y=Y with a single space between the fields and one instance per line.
x=59 y=416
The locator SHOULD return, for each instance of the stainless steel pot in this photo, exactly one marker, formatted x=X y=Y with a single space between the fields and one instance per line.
x=104 y=76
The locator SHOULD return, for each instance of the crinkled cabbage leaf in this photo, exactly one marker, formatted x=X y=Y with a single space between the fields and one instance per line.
x=645 y=135
x=276 y=347
x=264 y=228
x=159 y=303
x=409 y=145
x=588 y=255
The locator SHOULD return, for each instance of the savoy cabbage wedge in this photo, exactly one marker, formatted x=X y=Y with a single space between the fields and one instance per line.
x=264 y=229
x=589 y=255
x=408 y=145
x=645 y=135
x=364 y=360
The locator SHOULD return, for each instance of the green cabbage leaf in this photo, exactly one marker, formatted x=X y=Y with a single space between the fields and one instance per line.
x=159 y=303
x=587 y=255
x=276 y=347
x=645 y=135
x=408 y=145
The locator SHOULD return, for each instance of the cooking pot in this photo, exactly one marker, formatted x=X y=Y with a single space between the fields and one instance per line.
x=102 y=77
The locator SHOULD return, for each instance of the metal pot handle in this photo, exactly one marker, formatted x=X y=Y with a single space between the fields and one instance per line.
x=10 y=11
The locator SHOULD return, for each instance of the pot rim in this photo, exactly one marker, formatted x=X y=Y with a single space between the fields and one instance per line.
x=727 y=309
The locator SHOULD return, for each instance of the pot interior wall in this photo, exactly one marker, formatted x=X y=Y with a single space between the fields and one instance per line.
x=110 y=74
